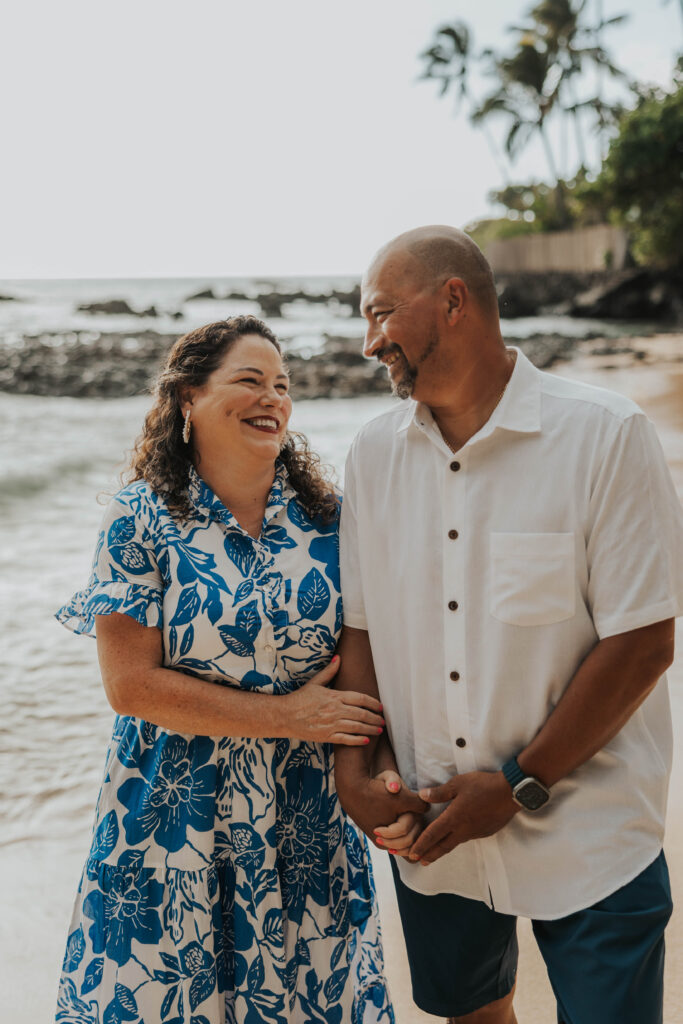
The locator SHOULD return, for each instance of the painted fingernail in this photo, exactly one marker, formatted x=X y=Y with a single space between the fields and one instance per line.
x=379 y=729
x=413 y=857
x=394 y=787
x=379 y=841
x=393 y=851
x=335 y=659
x=366 y=739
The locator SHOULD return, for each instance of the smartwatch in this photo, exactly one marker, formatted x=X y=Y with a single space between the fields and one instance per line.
x=527 y=791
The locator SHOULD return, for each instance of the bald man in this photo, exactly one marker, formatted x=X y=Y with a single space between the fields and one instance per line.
x=512 y=562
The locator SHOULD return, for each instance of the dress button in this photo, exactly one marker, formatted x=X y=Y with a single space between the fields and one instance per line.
x=455 y=466
x=455 y=676
x=453 y=605
x=460 y=742
x=268 y=648
x=453 y=534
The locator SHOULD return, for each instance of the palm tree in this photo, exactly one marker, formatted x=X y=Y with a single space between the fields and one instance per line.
x=448 y=62
x=572 y=45
x=554 y=48
x=521 y=97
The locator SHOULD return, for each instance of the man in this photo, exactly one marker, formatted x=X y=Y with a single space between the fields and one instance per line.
x=512 y=562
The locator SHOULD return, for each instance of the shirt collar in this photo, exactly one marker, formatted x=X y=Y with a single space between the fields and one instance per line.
x=519 y=410
x=207 y=504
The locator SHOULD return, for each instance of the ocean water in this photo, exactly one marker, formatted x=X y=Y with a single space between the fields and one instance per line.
x=57 y=456
x=50 y=308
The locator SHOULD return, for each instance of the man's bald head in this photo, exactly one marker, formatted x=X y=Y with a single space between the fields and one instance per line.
x=433 y=254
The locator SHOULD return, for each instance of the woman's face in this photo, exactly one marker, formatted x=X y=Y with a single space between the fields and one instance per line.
x=244 y=406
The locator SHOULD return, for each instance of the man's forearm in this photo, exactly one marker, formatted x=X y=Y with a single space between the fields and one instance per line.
x=365 y=798
x=608 y=687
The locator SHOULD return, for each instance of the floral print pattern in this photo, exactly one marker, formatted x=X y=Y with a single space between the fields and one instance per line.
x=224 y=883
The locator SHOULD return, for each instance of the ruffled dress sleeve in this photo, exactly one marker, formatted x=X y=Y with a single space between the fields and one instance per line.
x=125 y=575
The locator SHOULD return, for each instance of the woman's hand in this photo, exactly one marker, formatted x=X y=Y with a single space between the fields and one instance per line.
x=320 y=715
x=400 y=836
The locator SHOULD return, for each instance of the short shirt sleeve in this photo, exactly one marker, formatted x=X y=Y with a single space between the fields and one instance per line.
x=635 y=534
x=125 y=576
x=349 y=554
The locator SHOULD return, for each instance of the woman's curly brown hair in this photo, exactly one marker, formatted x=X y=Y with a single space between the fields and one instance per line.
x=161 y=457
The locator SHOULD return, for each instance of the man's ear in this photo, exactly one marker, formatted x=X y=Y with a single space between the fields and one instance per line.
x=456 y=298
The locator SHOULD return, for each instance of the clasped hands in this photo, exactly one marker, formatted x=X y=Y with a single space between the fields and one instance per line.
x=478 y=804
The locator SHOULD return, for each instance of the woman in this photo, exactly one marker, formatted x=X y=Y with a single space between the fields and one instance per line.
x=224 y=882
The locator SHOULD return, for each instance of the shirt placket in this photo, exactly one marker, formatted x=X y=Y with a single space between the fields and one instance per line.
x=266 y=649
x=454 y=600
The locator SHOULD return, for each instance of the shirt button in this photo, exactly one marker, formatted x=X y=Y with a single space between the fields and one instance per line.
x=455 y=466
x=453 y=534
x=460 y=742
x=453 y=605
x=455 y=676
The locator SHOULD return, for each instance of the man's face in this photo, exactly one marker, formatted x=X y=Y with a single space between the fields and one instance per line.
x=401 y=319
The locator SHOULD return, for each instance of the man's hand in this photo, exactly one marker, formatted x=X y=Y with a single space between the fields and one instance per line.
x=480 y=804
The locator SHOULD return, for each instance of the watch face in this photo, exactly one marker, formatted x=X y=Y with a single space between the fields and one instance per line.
x=531 y=794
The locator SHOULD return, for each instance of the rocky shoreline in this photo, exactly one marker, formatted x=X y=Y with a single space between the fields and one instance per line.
x=116 y=363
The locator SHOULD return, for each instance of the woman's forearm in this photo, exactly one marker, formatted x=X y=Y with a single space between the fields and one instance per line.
x=138 y=684
x=182 y=703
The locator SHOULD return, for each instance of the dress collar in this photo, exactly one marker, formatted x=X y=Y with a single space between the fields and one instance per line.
x=207 y=504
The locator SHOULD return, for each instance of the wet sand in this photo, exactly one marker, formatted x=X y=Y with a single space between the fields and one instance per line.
x=44 y=871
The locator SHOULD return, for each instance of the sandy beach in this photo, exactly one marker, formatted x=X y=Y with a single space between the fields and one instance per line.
x=38 y=871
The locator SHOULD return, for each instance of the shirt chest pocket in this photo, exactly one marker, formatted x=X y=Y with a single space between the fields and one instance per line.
x=532 y=578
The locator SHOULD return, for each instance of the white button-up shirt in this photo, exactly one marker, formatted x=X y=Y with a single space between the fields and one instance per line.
x=484 y=579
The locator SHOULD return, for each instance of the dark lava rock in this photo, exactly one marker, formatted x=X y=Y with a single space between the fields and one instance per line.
x=113 y=306
x=207 y=293
x=339 y=371
x=116 y=365
x=633 y=295
x=8 y=298
x=528 y=294
x=272 y=302
x=109 y=366
x=545 y=349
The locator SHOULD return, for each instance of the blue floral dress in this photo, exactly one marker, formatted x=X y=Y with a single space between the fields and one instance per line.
x=224 y=882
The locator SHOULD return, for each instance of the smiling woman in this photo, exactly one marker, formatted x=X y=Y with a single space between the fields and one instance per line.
x=224 y=881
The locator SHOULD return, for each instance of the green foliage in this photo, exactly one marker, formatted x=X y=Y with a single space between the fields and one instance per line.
x=533 y=208
x=641 y=181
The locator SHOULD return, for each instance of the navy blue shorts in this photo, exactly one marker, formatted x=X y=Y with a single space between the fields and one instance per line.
x=605 y=963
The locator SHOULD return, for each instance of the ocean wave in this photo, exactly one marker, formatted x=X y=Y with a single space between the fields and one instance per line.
x=18 y=485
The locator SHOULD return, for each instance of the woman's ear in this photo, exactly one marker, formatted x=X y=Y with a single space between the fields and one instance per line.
x=185 y=399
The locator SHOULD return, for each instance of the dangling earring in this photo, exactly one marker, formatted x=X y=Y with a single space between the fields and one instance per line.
x=187 y=427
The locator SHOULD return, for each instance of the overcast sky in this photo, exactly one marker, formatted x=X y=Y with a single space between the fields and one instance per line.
x=167 y=138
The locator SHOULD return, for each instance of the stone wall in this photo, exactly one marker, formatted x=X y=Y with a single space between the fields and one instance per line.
x=601 y=247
